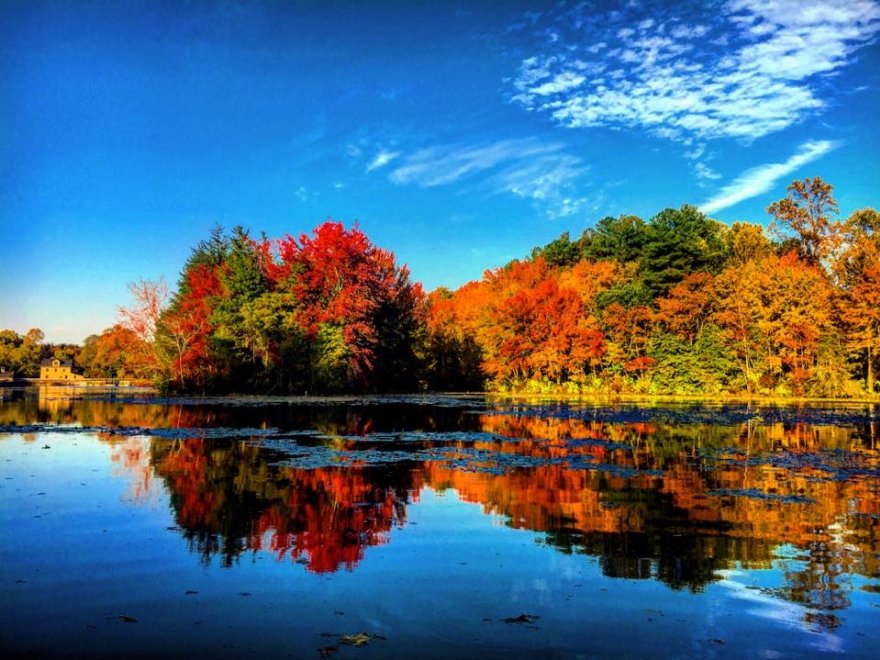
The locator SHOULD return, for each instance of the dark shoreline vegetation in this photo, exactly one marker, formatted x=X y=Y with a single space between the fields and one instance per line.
x=681 y=305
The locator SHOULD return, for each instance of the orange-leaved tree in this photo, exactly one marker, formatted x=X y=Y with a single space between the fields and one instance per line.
x=858 y=300
x=808 y=210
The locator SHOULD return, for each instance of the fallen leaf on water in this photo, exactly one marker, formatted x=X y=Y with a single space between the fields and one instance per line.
x=522 y=618
x=127 y=619
x=357 y=639
x=189 y=592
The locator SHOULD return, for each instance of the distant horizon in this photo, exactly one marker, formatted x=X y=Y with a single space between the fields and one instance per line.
x=457 y=136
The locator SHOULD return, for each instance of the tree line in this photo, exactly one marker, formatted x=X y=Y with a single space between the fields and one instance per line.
x=681 y=304
x=678 y=304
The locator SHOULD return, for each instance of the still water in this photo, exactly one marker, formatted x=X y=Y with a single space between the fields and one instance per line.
x=435 y=526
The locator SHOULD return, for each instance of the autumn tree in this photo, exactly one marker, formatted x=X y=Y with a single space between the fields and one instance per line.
x=629 y=331
x=357 y=304
x=174 y=330
x=747 y=242
x=773 y=314
x=453 y=356
x=116 y=353
x=144 y=320
x=543 y=334
x=149 y=302
x=807 y=211
x=679 y=304
x=688 y=306
x=187 y=327
x=858 y=273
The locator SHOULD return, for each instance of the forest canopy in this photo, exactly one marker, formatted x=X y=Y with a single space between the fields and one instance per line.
x=677 y=304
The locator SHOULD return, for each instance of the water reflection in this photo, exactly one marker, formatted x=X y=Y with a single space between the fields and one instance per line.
x=678 y=501
x=230 y=498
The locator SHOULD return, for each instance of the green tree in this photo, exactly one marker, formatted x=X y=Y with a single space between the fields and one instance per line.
x=240 y=339
x=679 y=242
x=332 y=364
x=561 y=252
x=614 y=239
x=681 y=367
x=30 y=353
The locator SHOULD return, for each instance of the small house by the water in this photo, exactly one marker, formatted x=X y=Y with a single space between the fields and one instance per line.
x=6 y=376
x=58 y=369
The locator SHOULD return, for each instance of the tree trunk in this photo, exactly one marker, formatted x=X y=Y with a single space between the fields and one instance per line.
x=870 y=378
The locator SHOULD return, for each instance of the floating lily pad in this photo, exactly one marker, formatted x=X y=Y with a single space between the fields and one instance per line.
x=522 y=618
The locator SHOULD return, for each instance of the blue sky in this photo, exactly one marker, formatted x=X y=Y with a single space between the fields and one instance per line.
x=459 y=135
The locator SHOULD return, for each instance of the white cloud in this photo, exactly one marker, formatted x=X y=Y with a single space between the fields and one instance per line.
x=546 y=179
x=528 y=168
x=759 y=180
x=438 y=166
x=381 y=159
x=667 y=77
x=703 y=171
x=561 y=83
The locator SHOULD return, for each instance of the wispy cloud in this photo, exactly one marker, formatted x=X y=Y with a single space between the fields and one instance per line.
x=669 y=77
x=381 y=159
x=704 y=172
x=442 y=165
x=759 y=180
x=547 y=179
x=527 y=167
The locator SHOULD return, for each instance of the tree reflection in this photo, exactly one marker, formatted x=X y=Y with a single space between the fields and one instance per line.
x=681 y=524
x=675 y=502
x=229 y=497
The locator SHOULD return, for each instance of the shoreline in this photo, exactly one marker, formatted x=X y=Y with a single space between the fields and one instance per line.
x=683 y=398
x=605 y=398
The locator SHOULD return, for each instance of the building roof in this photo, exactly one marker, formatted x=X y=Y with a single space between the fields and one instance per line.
x=49 y=362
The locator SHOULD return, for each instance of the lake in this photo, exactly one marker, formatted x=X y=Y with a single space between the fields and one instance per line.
x=435 y=526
